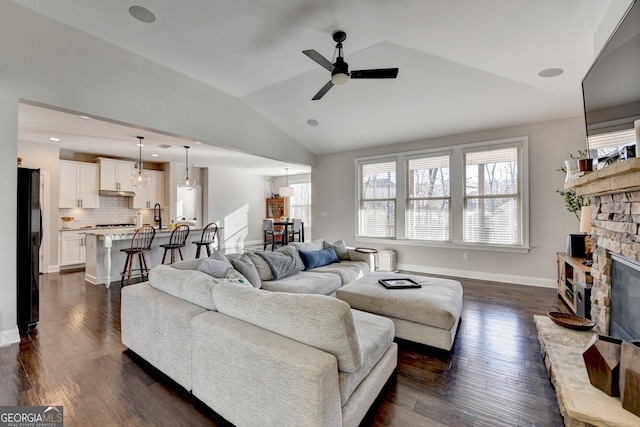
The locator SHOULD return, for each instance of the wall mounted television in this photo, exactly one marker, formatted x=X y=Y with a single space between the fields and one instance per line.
x=611 y=90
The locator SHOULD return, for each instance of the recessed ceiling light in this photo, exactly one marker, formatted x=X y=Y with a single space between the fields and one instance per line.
x=85 y=117
x=54 y=139
x=198 y=142
x=551 y=72
x=142 y=14
x=155 y=155
x=312 y=122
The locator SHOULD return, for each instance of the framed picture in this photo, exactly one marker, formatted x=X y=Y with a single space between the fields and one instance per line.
x=403 y=283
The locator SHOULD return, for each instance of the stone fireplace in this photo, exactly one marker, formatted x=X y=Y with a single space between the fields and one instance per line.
x=614 y=193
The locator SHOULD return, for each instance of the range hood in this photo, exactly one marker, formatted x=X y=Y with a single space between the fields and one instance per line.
x=117 y=193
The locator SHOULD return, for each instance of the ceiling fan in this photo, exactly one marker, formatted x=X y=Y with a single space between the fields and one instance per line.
x=340 y=69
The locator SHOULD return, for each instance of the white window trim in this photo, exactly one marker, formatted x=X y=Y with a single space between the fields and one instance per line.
x=457 y=194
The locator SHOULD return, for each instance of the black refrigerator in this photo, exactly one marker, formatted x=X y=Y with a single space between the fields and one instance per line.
x=29 y=236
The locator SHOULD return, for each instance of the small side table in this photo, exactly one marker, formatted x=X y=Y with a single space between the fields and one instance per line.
x=372 y=251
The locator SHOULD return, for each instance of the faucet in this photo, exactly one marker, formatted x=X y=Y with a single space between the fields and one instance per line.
x=157 y=214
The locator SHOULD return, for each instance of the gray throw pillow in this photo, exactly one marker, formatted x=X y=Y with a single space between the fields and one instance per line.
x=216 y=254
x=214 y=267
x=264 y=271
x=341 y=249
x=243 y=264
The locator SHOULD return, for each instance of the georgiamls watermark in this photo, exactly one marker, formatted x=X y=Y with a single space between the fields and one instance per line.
x=31 y=416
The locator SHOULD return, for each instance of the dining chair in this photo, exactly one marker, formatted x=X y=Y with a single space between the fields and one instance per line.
x=208 y=235
x=271 y=234
x=295 y=229
x=176 y=242
x=140 y=244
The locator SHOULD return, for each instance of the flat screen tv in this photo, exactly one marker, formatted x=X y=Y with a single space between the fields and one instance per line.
x=611 y=89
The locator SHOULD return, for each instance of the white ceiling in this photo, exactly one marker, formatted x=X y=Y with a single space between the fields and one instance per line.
x=464 y=65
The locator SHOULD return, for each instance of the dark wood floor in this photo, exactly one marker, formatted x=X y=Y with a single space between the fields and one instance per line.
x=494 y=375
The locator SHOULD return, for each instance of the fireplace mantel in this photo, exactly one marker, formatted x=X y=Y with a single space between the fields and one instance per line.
x=616 y=178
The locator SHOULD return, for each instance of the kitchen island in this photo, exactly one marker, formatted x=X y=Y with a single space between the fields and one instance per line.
x=105 y=260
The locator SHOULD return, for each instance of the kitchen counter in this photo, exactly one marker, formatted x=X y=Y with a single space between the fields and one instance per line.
x=103 y=250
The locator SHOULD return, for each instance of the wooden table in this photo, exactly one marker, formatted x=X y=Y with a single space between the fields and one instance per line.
x=286 y=225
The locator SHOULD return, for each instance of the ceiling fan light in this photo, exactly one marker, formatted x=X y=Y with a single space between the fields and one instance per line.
x=339 y=78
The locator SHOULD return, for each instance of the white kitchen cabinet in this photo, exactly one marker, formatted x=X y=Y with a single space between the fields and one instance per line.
x=78 y=185
x=147 y=197
x=73 y=244
x=115 y=175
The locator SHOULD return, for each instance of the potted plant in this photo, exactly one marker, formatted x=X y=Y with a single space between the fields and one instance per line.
x=571 y=200
x=577 y=244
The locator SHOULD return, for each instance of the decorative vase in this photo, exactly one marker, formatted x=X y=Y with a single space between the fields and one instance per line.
x=602 y=359
x=571 y=166
x=630 y=376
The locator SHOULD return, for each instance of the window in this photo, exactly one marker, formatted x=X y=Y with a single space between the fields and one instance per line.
x=300 y=203
x=377 y=196
x=492 y=201
x=465 y=195
x=428 y=210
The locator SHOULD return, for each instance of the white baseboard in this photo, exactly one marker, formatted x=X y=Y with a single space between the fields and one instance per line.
x=10 y=336
x=479 y=275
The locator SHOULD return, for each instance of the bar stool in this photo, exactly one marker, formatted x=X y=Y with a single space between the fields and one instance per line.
x=208 y=235
x=140 y=244
x=271 y=234
x=176 y=242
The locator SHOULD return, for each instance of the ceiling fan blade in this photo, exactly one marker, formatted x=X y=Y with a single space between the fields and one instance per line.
x=380 y=73
x=319 y=59
x=322 y=91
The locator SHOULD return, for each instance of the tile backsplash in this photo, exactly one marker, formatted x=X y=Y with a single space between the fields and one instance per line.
x=112 y=210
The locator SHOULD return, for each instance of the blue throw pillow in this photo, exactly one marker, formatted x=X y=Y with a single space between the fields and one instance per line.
x=313 y=259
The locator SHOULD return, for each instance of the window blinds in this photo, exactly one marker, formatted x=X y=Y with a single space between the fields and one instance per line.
x=428 y=203
x=492 y=203
x=377 y=194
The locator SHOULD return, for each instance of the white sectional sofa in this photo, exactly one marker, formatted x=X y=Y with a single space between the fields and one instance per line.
x=259 y=357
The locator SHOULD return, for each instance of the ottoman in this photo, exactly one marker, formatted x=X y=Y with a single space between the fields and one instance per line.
x=428 y=315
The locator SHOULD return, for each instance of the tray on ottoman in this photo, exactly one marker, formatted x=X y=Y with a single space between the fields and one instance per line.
x=428 y=315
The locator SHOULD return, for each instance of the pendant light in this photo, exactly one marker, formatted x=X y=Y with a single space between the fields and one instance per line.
x=187 y=183
x=139 y=179
x=286 y=191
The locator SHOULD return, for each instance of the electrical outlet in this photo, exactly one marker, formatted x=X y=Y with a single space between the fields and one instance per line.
x=465 y=256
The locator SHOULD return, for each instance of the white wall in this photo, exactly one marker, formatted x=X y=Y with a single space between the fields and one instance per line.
x=47 y=62
x=334 y=192
x=237 y=202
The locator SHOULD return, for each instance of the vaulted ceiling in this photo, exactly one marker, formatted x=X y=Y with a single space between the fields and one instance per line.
x=464 y=65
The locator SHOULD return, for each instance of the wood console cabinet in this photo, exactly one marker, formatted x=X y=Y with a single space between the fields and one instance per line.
x=571 y=271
